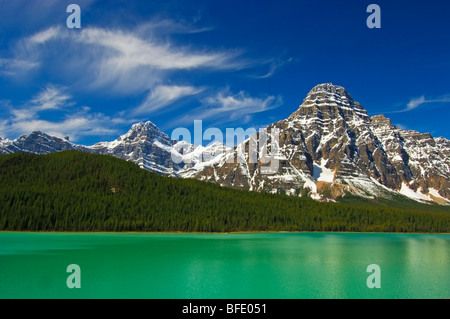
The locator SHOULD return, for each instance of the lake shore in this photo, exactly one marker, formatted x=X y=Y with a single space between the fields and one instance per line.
x=212 y=233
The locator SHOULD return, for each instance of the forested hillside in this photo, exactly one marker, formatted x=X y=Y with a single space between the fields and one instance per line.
x=74 y=191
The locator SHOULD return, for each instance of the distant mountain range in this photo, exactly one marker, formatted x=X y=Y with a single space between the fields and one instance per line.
x=328 y=148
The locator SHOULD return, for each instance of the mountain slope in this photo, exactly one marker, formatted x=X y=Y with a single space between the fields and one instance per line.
x=76 y=191
x=144 y=144
x=330 y=147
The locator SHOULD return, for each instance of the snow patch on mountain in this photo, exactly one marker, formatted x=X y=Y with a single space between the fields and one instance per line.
x=408 y=192
x=322 y=173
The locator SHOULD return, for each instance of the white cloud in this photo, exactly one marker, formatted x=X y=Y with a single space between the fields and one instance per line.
x=4 y=126
x=237 y=105
x=417 y=102
x=167 y=26
x=127 y=51
x=414 y=103
x=50 y=98
x=125 y=60
x=75 y=127
x=44 y=36
x=71 y=121
x=226 y=106
x=27 y=53
x=274 y=66
x=12 y=66
x=162 y=96
x=22 y=114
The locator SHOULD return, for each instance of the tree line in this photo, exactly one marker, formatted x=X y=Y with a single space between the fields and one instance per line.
x=75 y=191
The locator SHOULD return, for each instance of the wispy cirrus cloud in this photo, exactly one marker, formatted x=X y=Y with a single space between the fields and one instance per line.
x=128 y=61
x=238 y=104
x=167 y=26
x=162 y=96
x=50 y=98
x=415 y=103
x=227 y=106
x=16 y=66
x=27 y=54
x=45 y=35
x=275 y=65
x=75 y=126
x=131 y=51
x=72 y=121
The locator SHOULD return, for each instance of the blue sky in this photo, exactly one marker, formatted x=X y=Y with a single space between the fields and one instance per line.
x=228 y=63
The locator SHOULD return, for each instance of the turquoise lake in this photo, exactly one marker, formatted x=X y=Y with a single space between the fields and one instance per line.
x=254 y=265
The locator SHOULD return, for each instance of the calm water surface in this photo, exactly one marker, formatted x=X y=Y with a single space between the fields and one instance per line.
x=256 y=266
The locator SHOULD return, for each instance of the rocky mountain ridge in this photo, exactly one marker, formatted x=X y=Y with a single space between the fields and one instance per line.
x=327 y=148
x=330 y=147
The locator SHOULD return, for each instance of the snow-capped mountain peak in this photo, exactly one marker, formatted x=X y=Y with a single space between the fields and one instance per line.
x=330 y=147
x=145 y=131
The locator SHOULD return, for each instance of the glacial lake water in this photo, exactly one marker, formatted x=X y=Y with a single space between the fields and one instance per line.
x=253 y=265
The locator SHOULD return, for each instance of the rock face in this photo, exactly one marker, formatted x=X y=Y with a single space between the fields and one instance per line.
x=421 y=161
x=327 y=148
x=330 y=146
x=38 y=143
x=144 y=144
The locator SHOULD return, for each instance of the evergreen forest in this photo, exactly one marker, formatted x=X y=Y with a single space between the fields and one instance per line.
x=75 y=191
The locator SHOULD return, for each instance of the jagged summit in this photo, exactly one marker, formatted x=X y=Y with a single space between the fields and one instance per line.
x=381 y=121
x=329 y=88
x=330 y=101
x=144 y=144
x=143 y=126
x=330 y=92
x=145 y=131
